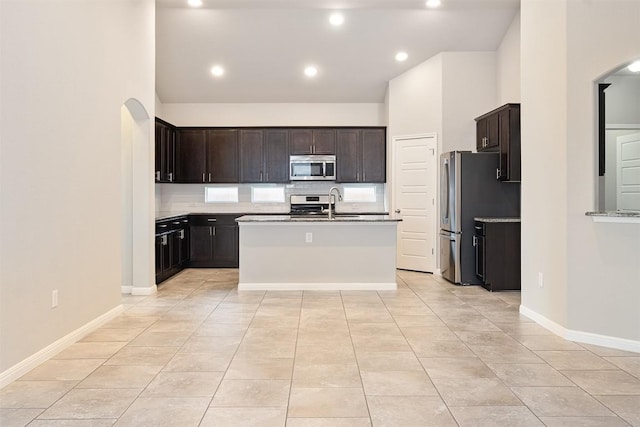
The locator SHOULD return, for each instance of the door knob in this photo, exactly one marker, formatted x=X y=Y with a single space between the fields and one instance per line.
x=397 y=210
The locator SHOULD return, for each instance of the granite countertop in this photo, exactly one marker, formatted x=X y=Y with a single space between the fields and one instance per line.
x=163 y=216
x=489 y=219
x=615 y=214
x=320 y=219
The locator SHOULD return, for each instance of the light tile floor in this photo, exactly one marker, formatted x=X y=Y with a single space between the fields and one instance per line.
x=202 y=353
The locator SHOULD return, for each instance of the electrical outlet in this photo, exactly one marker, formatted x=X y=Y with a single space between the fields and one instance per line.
x=54 y=298
x=308 y=237
x=540 y=280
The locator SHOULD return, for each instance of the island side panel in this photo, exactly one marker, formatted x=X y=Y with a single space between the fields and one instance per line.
x=276 y=255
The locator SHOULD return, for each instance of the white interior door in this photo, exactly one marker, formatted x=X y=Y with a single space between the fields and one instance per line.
x=414 y=194
x=628 y=170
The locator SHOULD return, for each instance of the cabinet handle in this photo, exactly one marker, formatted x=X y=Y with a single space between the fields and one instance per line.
x=267 y=176
x=209 y=176
x=311 y=149
x=170 y=176
x=164 y=240
x=162 y=225
x=498 y=173
x=157 y=175
x=203 y=180
x=211 y=219
x=181 y=234
x=212 y=231
x=475 y=240
x=260 y=175
x=176 y=223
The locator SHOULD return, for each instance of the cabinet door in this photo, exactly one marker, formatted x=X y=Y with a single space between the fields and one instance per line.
x=348 y=150
x=276 y=155
x=168 y=170
x=301 y=141
x=225 y=246
x=481 y=134
x=174 y=249
x=493 y=131
x=190 y=155
x=374 y=156
x=200 y=244
x=222 y=156
x=324 y=141
x=251 y=156
x=503 y=122
x=159 y=151
x=159 y=250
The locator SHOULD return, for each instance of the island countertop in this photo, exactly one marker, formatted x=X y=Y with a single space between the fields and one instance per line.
x=496 y=219
x=316 y=219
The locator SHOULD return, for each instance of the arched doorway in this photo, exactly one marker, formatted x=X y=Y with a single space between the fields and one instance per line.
x=137 y=189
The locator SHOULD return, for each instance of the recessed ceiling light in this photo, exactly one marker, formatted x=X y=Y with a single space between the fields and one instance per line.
x=194 y=3
x=634 y=67
x=433 y=3
x=336 y=19
x=310 y=71
x=217 y=71
x=402 y=56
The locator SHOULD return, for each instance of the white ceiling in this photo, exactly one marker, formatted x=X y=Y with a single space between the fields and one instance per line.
x=264 y=46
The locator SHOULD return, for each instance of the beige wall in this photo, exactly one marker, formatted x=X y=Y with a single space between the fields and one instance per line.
x=603 y=259
x=71 y=69
x=469 y=82
x=544 y=158
x=284 y=114
x=508 y=59
x=591 y=270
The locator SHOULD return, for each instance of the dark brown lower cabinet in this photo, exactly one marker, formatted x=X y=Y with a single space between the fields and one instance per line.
x=172 y=247
x=214 y=241
x=497 y=248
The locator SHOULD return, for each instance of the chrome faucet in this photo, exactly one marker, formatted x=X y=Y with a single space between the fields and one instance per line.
x=339 y=199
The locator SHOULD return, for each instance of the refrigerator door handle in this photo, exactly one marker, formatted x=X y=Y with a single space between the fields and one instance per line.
x=444 y=192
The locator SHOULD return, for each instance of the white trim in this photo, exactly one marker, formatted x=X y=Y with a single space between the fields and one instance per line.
x=580 y=336
x=21 y=368
x=144 y=290
x=617 y=219
x=297 y=286
x=438 y=272
x=126 y=290
x=621 y=126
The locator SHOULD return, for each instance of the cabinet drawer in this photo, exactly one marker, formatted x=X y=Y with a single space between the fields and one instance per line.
x=167 y=225
x=213 y=219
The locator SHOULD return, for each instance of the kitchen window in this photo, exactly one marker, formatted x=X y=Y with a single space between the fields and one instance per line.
x=359 y=194
x=267 y=194
x=221 y=195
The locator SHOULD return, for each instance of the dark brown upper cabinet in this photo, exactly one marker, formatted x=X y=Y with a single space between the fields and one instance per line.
x=165 y=151
x=264 y=155
x=312 y=141
x=207 y=156
x=504 y=122
x=361 y=155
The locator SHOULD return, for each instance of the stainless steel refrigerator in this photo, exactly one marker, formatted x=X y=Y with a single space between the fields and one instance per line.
x=468 y=189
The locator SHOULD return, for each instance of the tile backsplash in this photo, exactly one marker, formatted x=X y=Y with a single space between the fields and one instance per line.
x=191 y=198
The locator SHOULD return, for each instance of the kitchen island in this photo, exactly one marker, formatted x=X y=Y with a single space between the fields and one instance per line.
x=349 y=252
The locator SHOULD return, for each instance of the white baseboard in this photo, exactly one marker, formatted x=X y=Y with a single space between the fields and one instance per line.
x=126 y=289
x=147 y=290
x=392 y=286
x=437 y=272
x=21 y=368
x=580 y=336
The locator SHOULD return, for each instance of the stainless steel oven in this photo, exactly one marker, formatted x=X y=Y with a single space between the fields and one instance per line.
x=312 y=168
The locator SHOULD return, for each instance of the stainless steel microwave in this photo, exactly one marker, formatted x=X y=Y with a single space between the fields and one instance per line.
x=312 y=168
